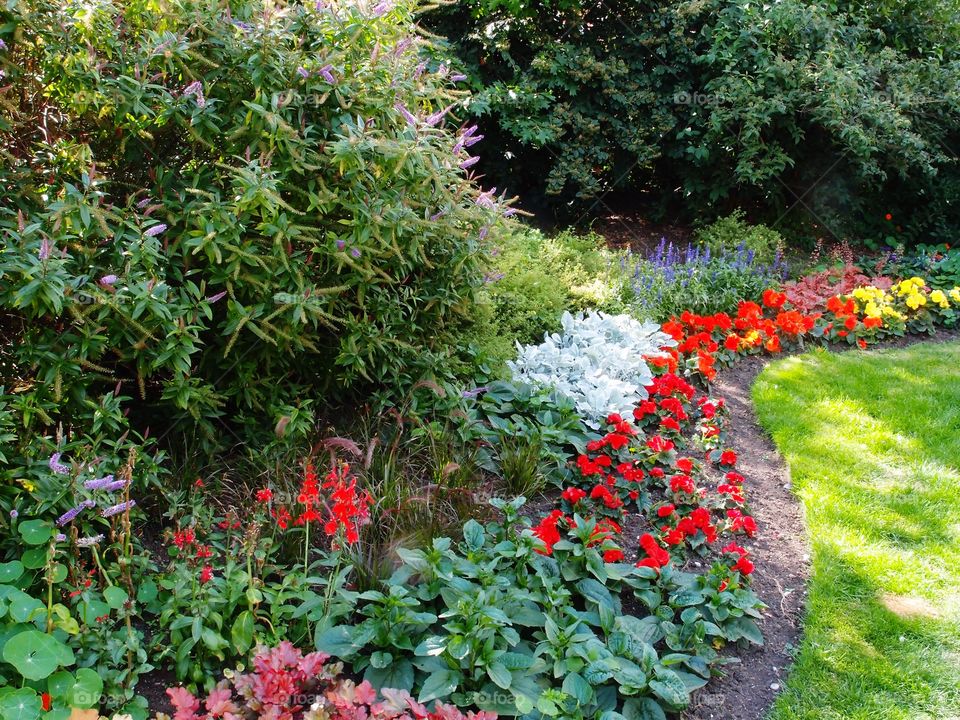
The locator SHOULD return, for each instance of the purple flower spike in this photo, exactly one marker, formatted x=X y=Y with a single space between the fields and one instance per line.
x=437 y=116
x=327 y=72
x=459 y=77
x=70 y=515
x=407 y=115
x=60 y=537
x=469 y=162
x=355 y=252
x=45 y=249
x=3 y=45
x=88 y=541
x=382 y=8
x=195 y=89
x=118 y=508
x=303 y=72
x=14 y=514
x=143 y=203
x=115 y=485
x=216 y=298
x=58 y=467
x=108 y=280
x=475 y=392
x=155 y=230
x=98 y=483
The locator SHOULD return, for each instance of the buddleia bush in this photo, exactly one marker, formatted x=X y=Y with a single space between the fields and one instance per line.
x=233 y=211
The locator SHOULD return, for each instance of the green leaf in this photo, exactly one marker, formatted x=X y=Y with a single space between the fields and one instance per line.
x=35 y=532
x=115 y=596
x=473 y=534
x=500 y=675
x=575 y=686
x=643 y=709
x=670 y=688
x=36 y=655
x=336 y=641
x=10 y=571
x=439 y=685
x=597 y=592
x=22 y=704
x=398 y=675
x=743 y=628
x=241 y=634
x=87 y=691
x=59 y=684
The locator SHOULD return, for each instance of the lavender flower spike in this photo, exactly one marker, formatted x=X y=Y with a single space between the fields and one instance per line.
x=118 y=508
x=115 y=485
x=303 y=72
x=469 y=162
x=216 y=298
x=407 y=115
x=327 y=72
x=437 y=116
x=108 y=280
x=3 y=45
x=45 y=248
x=98 y=483
x=58 y=467
x=155 y=230
x=70 y=515
x=88 y=541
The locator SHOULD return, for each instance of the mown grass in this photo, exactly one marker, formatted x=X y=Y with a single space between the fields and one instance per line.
x=873 y=445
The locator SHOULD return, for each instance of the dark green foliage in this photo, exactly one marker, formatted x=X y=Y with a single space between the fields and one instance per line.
x=830 y=114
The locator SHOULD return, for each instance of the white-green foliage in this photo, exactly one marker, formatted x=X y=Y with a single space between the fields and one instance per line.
x=597 y=360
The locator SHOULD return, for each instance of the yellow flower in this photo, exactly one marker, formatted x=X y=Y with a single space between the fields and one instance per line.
x=27 y=485
x=890 y=312
x=940 y=298
x=955 y=294
x=916 y=301
x=872 y=310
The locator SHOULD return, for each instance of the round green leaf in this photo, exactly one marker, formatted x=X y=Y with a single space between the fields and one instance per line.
x=23 y=606
x=36 y=655
x=94 y=609
x=115 y=596
x=34 y=558
x=60 y=683
x=10 y=571
x=22 y=704
x=59 y=572
x=35 y=532
x=87 y=691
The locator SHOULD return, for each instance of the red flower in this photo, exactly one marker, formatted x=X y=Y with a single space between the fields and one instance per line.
x=616 y=441
x=888 y=217
x=573 y=495
x=732 y=343
x=681 y=483
x=773 y=299
x=658 y=557
x=670 y=424
x=684 y=465
x=613 y=555
x=862 y=343
x=728 y=457
x=773 y=344
x=614 y=418
x=265 y=495
x=744 y=566
x=45 y=702
x=206 y=574
x=647 y=407
x=666 y=510
x=547 y=531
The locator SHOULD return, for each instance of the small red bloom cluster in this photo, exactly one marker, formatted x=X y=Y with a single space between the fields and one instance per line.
x=338 y=503
x=194 y=553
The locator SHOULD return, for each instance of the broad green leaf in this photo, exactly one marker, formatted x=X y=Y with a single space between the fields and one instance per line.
x=36 y=655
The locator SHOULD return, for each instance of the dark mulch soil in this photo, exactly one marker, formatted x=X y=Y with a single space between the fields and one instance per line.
x=638 y=233
x=781 y=556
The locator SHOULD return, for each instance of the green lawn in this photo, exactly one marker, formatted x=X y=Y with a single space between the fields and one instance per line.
x=873 y=445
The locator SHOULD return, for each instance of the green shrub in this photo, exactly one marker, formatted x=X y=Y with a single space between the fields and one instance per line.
x=535 y=279
x=731 y=233
x=833 y=114
x=230 y=213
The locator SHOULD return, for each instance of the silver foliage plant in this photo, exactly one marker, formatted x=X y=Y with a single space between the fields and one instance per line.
x=598 y=361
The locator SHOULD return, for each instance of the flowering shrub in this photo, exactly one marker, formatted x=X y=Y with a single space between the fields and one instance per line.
x=284 y=684
x=598 y=360
x=296 y=205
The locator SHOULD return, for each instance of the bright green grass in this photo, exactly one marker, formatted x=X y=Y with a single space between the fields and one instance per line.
x=873 y=445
